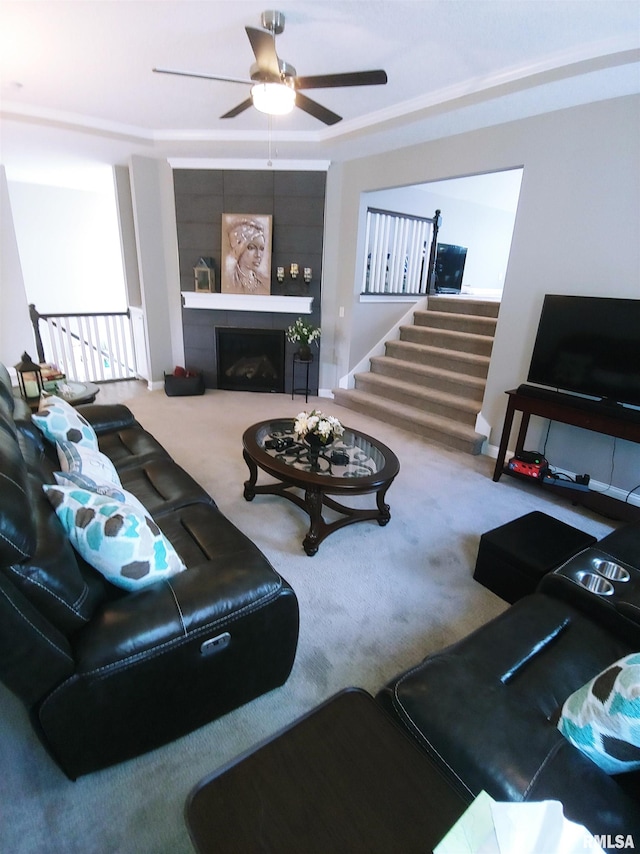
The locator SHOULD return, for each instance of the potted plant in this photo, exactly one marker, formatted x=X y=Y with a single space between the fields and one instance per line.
x=316 y=430
x=303 y=333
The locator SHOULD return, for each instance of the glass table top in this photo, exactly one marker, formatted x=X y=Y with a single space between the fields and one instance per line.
x=351 y=456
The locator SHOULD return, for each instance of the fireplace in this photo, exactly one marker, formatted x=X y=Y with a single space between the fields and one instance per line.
x=250 y=359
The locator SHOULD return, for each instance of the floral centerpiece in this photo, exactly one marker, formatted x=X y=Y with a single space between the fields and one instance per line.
x=317 y=428
x=303 y=333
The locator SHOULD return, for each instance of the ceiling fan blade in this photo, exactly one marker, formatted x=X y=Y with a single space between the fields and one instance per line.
x=203 y=76
x=316 y=110
x=354 y=78
x=239 y=109
x=264 y=49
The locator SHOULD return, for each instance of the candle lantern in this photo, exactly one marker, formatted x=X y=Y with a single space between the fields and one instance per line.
x=29 y=377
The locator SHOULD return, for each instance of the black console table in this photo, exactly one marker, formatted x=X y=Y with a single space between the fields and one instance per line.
x=579 y=412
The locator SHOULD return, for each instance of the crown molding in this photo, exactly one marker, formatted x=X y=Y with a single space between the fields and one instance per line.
x=247 y=163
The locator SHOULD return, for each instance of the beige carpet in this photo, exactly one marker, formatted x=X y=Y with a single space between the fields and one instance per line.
x=372 y=602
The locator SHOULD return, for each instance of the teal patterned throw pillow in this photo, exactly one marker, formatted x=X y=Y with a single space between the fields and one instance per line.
x=116 y=538
x=67 y=478
x=60 y=422
x=602 y=719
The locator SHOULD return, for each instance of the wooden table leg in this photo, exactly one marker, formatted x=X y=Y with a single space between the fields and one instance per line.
x=313 y=504
x=522 y=432
x=249 y=485
x=385 y=510
x=504 y=440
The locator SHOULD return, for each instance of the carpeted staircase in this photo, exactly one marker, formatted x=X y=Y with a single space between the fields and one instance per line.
x=431 y=381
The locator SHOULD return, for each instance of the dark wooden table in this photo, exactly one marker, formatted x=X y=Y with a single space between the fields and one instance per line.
x=344 y=778
x=356 y=464
x=579 y=412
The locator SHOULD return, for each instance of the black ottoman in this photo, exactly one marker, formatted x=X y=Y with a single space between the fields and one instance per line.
x=513 y=558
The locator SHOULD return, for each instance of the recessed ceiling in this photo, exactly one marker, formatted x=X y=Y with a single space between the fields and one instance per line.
x=69 y=67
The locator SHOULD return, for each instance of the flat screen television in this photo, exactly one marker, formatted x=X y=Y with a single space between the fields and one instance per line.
x=590 y=346
x=449 y=268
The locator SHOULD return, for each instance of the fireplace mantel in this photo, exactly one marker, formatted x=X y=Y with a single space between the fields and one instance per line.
x=273 y=303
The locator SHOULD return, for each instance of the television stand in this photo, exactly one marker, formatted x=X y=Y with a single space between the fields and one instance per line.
x=579 y=412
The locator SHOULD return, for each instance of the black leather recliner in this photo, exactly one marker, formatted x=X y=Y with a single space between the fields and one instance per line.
x=108 y=674
x=485 y=710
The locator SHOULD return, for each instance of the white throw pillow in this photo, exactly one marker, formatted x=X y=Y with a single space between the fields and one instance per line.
x=60 y=422
x=122 y=543
x=91 y=463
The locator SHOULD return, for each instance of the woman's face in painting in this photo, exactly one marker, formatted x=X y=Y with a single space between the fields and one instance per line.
x=251 y=258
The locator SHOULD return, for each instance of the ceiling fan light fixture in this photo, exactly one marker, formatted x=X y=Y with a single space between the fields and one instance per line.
x=275 y=99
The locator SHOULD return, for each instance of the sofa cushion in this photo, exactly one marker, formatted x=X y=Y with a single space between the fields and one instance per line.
x=121 y=542
x=60 y=422
x=131 y=446
x=85 y=461
x=602 y=718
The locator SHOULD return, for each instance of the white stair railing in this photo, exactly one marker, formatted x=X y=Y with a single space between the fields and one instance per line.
x=87 y=347
x=399 y=252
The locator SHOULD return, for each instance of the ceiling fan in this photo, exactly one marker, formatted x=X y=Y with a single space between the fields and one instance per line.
x=275 y=86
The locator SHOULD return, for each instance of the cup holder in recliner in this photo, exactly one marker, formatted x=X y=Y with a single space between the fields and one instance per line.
x=610 y=569
x=595 y=583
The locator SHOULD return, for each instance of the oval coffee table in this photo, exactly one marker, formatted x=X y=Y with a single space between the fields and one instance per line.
x=355 y=464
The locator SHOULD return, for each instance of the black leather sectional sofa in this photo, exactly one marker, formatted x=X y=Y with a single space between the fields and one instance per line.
x=105 y=673
x=485 y=709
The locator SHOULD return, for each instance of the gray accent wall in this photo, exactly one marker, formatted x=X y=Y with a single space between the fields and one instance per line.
x=296 y=201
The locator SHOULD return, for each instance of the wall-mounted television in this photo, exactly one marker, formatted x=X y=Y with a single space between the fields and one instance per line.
x=449 y=268
x=590 y=346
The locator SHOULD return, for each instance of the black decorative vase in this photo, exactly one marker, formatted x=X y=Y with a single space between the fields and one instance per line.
x=316 y=444
x=304 y=353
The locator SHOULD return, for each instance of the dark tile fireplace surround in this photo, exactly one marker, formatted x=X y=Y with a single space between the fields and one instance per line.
x=295 y=200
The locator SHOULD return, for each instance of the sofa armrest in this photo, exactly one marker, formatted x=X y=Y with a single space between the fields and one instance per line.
x=161 y=662
x=619 y=613
x=195 y=603
x=106 y=418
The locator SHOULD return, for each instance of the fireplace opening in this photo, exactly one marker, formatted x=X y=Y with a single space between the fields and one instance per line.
x=250 y=359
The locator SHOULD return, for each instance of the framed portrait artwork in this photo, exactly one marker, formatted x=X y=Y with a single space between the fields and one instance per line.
x=246 y=254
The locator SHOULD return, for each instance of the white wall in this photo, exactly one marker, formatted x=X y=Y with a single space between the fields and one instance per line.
x=69 y=247
x=481 y=219
x=157 y=249
x=576 y=232
x=16 y=331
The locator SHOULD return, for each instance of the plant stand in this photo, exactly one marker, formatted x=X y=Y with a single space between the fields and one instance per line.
x=306 y=363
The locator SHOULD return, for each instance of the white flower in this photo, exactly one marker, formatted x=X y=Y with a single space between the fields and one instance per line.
x=302 y=332
x=325 y=426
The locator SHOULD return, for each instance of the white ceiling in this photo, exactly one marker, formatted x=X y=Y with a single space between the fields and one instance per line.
x=77 y=82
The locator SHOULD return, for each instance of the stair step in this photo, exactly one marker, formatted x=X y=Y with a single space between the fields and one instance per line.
x=464 y=305
x=456 y=322
x=444 y=431
x=471 y=364
x=430 y=376
x=426 y=400
x=447 y=339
